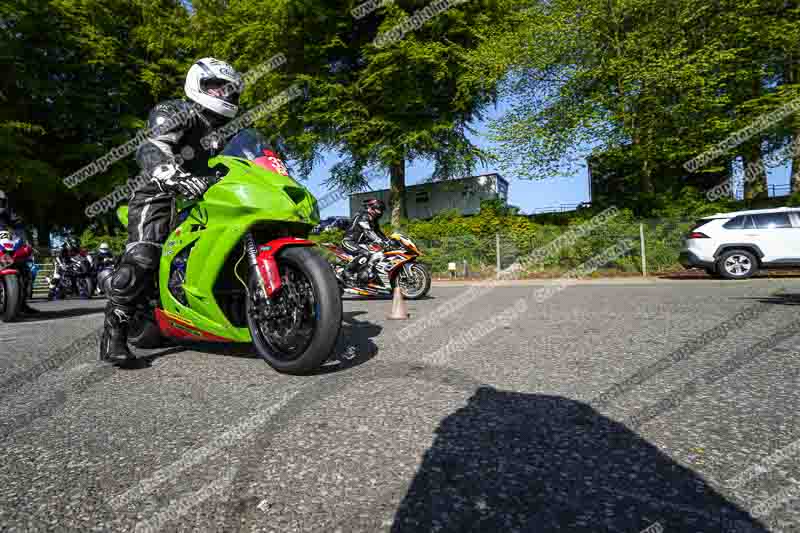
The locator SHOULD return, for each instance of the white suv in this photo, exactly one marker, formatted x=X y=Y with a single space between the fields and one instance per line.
x=736 y=245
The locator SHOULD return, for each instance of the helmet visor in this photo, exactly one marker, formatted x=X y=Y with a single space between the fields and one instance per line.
x=222 y=89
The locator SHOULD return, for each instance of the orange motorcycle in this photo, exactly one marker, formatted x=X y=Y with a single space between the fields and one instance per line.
x=395 y=265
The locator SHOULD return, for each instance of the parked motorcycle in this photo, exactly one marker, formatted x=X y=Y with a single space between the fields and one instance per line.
x=72 y=276
x=397 y=265
x=83 y=274
x=15 y=277
x=284 y=299
x=58 y=285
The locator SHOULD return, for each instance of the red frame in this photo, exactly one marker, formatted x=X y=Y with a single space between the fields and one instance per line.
x=268 y=266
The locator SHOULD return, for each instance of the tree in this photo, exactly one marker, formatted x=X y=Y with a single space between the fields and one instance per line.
x=75 y=91
x=379 y=107
x=658 y=81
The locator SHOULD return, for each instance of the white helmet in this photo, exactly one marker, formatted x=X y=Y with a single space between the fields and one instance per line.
x=215 y=85
x=104 y=248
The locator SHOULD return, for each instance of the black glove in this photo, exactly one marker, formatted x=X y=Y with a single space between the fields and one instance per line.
x=171 y=178
x=192 y=186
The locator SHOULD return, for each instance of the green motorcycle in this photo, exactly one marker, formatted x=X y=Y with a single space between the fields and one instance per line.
x=238 y=267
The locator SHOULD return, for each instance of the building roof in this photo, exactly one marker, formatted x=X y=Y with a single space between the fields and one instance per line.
x=428 y=183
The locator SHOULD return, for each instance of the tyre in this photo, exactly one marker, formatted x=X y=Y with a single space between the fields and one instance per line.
x=143 y=332
x=737 y=264
x=85 y=288
x=10 y=297
x=416 y=288
x=296 y=334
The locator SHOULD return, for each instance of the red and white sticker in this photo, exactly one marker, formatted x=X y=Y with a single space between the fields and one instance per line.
x=274 y=163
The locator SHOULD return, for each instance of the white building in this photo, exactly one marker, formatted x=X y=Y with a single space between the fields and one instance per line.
x=427 y=199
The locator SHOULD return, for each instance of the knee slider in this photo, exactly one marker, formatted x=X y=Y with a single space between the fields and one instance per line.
x=126 y=284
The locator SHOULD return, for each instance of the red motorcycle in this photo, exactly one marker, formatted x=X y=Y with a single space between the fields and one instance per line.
x=14 y=275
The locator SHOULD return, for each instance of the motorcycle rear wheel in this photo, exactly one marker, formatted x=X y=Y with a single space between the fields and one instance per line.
x=10 y=297
x=85 y=288
x=300 y=341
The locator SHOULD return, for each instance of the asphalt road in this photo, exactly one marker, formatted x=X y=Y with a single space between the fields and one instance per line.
x=599 y=407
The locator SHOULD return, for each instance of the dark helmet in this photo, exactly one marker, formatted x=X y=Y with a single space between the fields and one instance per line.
x=375 y=207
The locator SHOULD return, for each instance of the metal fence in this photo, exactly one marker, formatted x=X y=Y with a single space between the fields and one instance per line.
x=655 y=247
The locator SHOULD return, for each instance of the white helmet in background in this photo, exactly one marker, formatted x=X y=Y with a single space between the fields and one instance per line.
x=215 y=85
x=104 y=248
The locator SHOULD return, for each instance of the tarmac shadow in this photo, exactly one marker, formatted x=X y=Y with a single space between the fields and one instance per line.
x=510 y=461
x=353 y=347
x=780 y=299
x=43 y=316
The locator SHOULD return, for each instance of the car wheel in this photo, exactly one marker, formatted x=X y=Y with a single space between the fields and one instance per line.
x=737 y=264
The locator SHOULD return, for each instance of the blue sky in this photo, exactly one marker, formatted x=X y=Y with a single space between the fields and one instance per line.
x=526 y=194
x=529 y=195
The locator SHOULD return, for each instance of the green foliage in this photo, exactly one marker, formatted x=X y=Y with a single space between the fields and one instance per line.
x=794 y=200
x=449 y=237
x=91 y=241
x=648 y=82
x=379 y=108
x=78 y=78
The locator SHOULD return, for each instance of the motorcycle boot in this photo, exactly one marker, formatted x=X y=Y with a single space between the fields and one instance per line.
x=116 y=330
x=355 y=269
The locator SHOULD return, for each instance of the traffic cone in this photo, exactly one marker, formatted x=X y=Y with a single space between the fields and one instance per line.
x=399 y=307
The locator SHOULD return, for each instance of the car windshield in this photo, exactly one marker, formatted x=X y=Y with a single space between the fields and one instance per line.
x=247 y=144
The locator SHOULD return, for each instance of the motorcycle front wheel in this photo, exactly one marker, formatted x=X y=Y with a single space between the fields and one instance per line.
x=415 y=286
x=10 y=297
x=85 y=288
x=296 y=332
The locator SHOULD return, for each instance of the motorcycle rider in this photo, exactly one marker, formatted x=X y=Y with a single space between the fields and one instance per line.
x=9 y=220
x=363 y=234
x=61 y=272
x=70 y=253
x=104 y=256
x=176 y=161
x=12 y=222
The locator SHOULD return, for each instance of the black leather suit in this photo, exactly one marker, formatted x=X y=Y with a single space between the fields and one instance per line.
x=176 y=129
x=362 y=232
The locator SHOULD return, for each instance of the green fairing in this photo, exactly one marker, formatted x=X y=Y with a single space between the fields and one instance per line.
x=247 y=195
